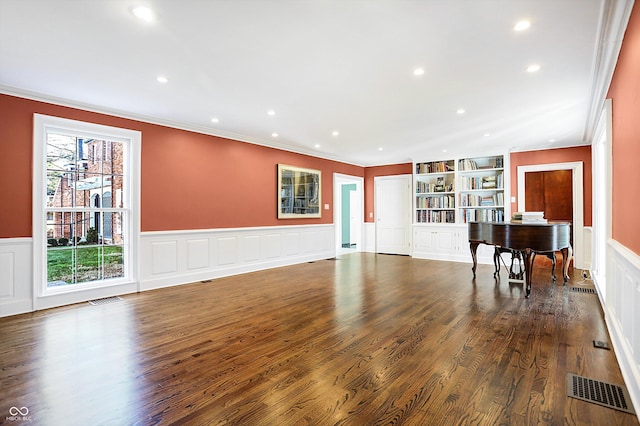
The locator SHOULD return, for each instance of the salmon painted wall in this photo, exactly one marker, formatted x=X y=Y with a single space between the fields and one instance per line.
x=370 y=173
x=549 y=156
x=624 y=93
x=188 y=180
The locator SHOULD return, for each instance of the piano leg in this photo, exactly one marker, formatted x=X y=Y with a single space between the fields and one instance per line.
x=473 y=245
x=567 y=254
x=528 y=270
x=496 y=262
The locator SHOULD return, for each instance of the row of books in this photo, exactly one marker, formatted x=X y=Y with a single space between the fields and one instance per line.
x=435 y=167
x=491 y=163
x=483 y=215
x=444 y=216
x=474 y=200
x=443 y=202
x=426 y=187
x=482 y=182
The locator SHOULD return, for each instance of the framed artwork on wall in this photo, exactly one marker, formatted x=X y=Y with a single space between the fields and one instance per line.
x=299 y=192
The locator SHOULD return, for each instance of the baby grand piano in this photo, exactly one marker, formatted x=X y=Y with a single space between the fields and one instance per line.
x=526 y=238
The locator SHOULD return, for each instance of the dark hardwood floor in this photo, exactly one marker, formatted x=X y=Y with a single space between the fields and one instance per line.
x=364 y=339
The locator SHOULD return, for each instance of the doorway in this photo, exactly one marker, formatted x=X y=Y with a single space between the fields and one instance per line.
x=550 y=192
x=577 y=194
x=348 y=217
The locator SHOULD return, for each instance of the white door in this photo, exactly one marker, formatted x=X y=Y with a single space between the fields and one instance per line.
x=393 y=214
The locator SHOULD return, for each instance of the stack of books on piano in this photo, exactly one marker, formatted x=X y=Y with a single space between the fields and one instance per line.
x=528 y=217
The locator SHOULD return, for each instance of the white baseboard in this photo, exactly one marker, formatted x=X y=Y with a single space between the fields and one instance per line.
x=16 y=292
x=622 y=313
x=178 y=257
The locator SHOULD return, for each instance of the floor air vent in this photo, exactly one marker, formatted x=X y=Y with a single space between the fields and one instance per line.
x=105 y=301
x=601 y=393
x=582 y=290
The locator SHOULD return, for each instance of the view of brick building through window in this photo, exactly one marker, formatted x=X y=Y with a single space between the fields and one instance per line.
x=84 y=193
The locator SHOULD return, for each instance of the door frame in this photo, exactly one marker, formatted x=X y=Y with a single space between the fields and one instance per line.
x=578 y=204
x=340 y=179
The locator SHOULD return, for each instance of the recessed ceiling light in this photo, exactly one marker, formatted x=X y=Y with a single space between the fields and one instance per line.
x=317 y=145
x=460 y=111
x=143 y=13
x=418 y=71
x=552 y=140
x=380 y=149
x=162 y=79
x=335 y=133
x=271 y=112
x=521 y=25
x=444 y=150
x=487 y=135
x=274 y=135
x=533 y=68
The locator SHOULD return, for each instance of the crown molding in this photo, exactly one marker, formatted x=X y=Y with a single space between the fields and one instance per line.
x=614 y=17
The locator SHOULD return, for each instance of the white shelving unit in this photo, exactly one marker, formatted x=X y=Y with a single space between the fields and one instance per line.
x=481 y=189
x=448 y=194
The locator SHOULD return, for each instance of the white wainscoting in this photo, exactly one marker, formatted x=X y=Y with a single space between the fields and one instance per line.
x=370 y=237
x=16 y=291
x=622 y=313
x=178 y=257
x=586 y=248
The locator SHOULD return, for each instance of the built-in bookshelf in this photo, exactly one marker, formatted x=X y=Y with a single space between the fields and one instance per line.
x=460 y=190
x=481 y=193
x=434 y=184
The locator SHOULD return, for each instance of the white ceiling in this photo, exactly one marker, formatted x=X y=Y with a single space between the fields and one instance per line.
x=322 y=66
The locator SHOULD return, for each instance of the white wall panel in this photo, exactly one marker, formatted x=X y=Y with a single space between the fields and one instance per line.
x=164 y=256
x=291 y=243
x=16 y=283
x=272 y=245
x=622 y=313
x=7 y=274
x=370 y=237
x=250 y=248
x=180 y=257
x=197 y=253
x=227 y=250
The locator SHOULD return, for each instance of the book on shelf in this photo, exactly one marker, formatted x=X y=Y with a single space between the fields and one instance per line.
x=486 y=163
x=489 y=182
x=483 y=215
x=435 y=167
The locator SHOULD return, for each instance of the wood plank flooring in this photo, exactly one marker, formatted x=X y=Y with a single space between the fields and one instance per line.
x=365 y=339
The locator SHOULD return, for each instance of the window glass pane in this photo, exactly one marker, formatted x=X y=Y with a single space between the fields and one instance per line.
x=89 y=261
x=60 y=266
x=61 y=151
x=60 y=225
x=86 y=176
x=59 y=193
x=113 y=261
x=118 y=227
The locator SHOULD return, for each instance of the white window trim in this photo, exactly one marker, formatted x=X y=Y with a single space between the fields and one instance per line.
x=45 y=297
